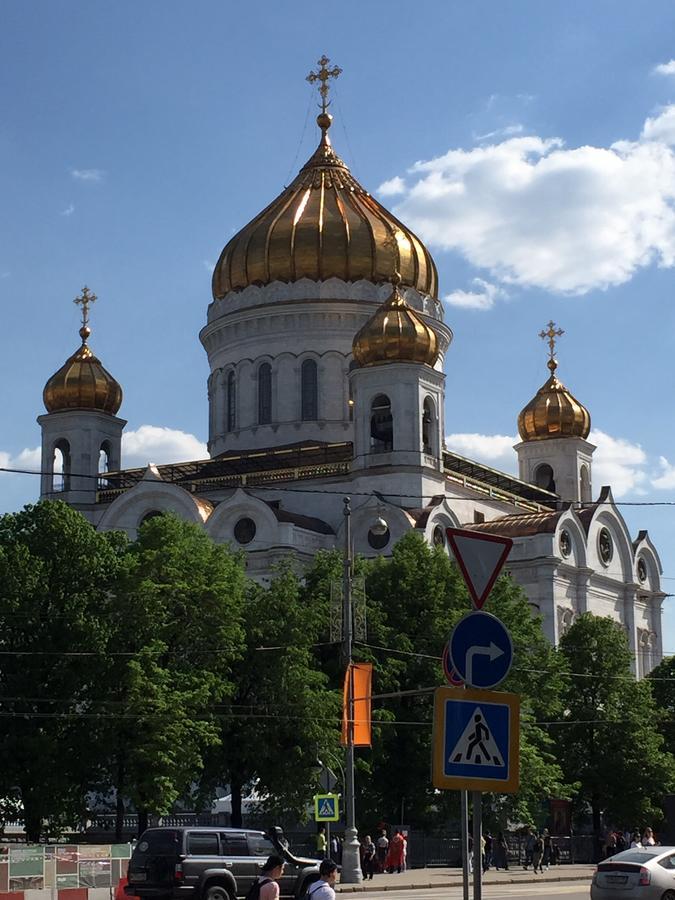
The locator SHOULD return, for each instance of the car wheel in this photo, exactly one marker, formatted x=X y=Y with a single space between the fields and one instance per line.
x=669 y=895
x=217 y=892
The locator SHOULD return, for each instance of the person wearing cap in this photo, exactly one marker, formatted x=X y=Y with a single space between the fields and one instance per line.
x=269 y=878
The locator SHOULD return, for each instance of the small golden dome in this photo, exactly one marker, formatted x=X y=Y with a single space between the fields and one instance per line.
x=395 y=333
x=324 y=225
x=553 y=413
x=82 y=382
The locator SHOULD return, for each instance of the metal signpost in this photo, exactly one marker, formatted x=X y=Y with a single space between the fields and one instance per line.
x=476 y=731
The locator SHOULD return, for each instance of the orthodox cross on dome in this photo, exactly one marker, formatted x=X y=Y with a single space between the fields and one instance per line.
x=323 y=75
x=84 y=300
x=550 y=335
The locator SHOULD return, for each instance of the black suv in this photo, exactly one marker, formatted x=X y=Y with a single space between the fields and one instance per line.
x=211 y=864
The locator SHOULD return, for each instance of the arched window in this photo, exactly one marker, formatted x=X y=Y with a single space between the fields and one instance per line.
x=428 y=427
x=544 y=478
x=103 y=463
x=381 y=425
x=584 y=485
x=231 y=401
x=61 y=466
x=309 y=390
x=265 y=394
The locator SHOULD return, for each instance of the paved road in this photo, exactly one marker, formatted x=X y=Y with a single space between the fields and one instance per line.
x=490 y=892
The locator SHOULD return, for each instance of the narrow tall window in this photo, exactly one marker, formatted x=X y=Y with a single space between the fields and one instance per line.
x=544 y=478
x=103 y=463
x=61 y=466
x=309 y=389
x=427 y=427
x=231 y=402
x=585 y=485
x=265 y=394
x=381 y=425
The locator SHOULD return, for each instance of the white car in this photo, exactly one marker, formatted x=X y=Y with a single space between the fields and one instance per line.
x=647 y=873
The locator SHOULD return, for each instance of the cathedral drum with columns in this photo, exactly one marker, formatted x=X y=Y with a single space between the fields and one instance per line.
x=325 y=339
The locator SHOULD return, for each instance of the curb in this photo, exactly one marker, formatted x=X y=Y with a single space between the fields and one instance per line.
x=361 y=889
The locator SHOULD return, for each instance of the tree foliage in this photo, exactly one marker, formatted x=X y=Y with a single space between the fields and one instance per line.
x=177 y=618
x=283 y=714
x=610 y=744
x=56 y=578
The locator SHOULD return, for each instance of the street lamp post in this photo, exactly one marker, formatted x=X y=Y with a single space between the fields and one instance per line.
x=351 y=863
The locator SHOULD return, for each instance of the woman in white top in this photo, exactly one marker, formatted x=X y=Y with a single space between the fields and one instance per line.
x=323 y=888
x=648 y=839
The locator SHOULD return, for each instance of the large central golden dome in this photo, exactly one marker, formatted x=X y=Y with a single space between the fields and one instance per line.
x=324 y=225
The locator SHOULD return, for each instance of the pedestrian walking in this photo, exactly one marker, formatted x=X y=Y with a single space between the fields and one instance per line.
x=500 y=852
x=648 y=839
x=382 y=845
x=266 y=887
x=537 y=852
x=394 y=861
x=321 y=843
x=529 y=845
x=368 y=858
x=323 y=888
x=546 y=858
x=487 y=853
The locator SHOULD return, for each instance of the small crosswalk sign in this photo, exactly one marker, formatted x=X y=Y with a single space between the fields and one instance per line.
x=326 y=807
x=476 y=740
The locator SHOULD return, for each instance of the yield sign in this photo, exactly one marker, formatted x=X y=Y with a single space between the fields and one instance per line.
x=480 y=558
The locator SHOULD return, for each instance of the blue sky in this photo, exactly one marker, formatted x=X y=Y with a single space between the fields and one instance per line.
x=530 y=144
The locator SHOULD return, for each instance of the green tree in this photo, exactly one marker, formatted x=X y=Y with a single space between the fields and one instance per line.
x=176 y=635
x=56 y=578
x=610 y=743
x=662 y=680
x=414 y=599
x=283 y=714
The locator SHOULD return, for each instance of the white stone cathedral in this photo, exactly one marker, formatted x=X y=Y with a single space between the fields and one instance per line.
x=326 y=341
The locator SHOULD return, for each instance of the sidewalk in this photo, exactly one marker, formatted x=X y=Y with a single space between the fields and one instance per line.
x=418 y=879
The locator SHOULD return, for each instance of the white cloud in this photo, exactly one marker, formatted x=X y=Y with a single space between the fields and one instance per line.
x=208 y=265
x=619 y=463
x=507 y=131
x=616 y=461
x=88 y=174
x=482 y=297
x=661 y=128
x=535 y=213
x=495 y=450
x=395 y=185
x=68 y=211
x=28 y=458
x=666 y=479
x=158 y=444
x=665 y=68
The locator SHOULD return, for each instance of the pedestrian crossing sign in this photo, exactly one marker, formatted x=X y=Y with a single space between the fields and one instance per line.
x=326 y=807
x=476 y=740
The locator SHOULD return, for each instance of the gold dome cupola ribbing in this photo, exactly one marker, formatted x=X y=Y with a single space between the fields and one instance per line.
x=395 y=333
x=553 y=412
x=324 y=225
x=82 y=382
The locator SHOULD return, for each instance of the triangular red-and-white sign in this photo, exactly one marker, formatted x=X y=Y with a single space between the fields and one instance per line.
x=480 y=558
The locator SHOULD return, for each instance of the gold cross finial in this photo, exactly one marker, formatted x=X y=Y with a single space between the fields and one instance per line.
x=84 y=300
x=550 y=335
x=323 y=75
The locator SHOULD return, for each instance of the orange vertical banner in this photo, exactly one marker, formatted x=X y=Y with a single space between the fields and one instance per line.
x=358 y=682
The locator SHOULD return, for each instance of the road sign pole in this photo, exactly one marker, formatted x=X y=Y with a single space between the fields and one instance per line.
x=328 y=851
x=465 y=844
x=477 y=855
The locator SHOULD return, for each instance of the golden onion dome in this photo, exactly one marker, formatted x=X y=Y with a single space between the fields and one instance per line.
x=395 y=333
x=553 y=412
x=324 y=225
x=82 y=382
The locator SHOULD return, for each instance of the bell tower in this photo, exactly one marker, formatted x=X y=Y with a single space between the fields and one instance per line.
x=554 y=453
x=81 y=434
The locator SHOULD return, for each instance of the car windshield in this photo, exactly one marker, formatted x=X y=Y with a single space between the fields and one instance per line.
x=637 y=855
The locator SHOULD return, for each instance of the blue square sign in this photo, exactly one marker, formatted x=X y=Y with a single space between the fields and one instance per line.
x=476 y=740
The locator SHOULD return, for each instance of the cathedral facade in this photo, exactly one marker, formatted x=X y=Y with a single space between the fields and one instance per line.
x=326 y=341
